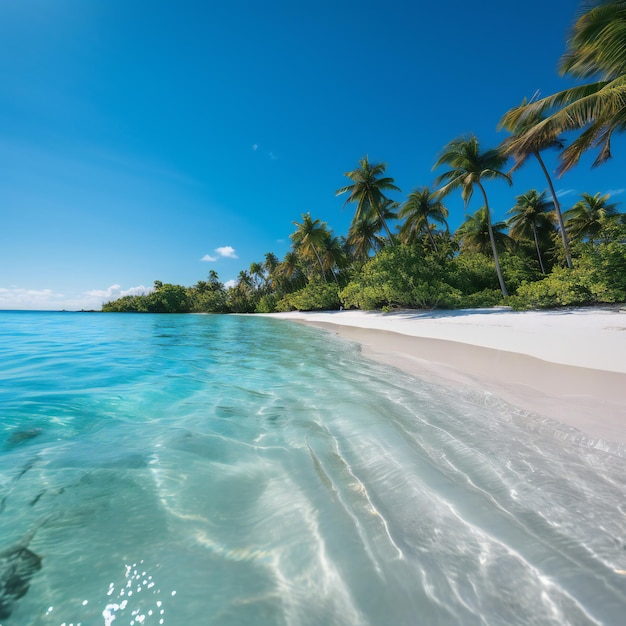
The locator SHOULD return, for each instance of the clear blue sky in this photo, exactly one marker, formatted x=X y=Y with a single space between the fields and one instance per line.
x=139 y=137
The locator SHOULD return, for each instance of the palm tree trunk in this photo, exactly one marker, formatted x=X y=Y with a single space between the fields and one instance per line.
x=534 y=226
x=557 y=206
x=320 y=262
x=505 y=293
x=382 y=219
x=430 y=236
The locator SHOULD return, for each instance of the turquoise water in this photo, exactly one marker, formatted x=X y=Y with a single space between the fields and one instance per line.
x=235 y=470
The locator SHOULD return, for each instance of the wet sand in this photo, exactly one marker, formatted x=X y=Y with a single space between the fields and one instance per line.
x=568 y=366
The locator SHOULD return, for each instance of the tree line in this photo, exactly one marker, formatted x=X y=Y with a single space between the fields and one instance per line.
x=541 y=256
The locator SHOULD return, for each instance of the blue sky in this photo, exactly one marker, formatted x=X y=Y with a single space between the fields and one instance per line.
x=141 y=139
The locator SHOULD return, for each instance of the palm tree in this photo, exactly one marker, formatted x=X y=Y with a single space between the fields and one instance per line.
x=475 y=236
x=367 y=190
x=290 y=269
x=421 y=206
x=469 y=167
x=588 y=216
x=527 y=216
x=363 y=238
x=269 y=265
x=256 y=273
x=521 y=150
x=309 y=238
x=595 y=49
x=333 y=255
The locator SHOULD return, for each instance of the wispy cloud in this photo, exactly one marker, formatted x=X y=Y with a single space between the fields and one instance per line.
x=19 y=298
x=564 y=192
x=208 y=257
x=115 y=291
x=270 y=155
x=50 y=300
x=615 y=192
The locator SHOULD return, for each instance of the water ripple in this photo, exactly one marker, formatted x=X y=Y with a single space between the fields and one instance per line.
x=237 y=470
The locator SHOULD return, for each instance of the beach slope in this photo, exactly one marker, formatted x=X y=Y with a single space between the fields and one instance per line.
x=568 y=365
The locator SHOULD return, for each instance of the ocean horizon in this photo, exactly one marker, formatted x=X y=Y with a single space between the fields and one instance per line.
x=233 y=469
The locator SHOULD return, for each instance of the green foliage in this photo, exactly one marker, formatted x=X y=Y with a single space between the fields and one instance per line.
x=241 y=301
x=313 y=297
x=367 y=191
x=595 y=50
x=400 y=277
x=267 y=303
x=472 y=272
x=486 y=298
x=518 y=269
x=599 y=276
x=127 y=304
x=168 y=298
x=213 y=301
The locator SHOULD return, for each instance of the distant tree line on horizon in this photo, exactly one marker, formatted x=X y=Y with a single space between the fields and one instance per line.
x=541 y=256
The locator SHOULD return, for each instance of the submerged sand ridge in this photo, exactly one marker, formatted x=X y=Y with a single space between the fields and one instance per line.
x=567 y=365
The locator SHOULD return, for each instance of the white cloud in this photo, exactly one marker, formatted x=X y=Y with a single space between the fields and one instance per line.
x=115 y=291
x=230 y=283
x=255 y=146
x=615 y=192
x=564 y=192
x=49 y=300
x=38 y=299
x=227 y=251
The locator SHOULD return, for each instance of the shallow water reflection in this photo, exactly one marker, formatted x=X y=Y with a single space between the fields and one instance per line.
x=235 y=470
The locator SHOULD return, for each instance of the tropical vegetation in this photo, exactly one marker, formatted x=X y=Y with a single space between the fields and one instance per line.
x=541 y=256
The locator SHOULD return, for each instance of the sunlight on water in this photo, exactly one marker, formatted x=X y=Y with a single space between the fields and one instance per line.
x=236 y=470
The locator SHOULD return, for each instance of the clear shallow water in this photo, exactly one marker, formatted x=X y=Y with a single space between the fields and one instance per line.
x=235 y=470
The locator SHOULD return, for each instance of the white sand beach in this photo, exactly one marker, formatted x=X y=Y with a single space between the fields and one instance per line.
x=569 y=365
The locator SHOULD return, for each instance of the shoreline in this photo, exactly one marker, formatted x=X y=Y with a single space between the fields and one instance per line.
x=533 y=360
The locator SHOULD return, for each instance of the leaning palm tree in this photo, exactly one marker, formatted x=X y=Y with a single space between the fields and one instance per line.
x=588 y=216
x=367 y=191
x=595 y=50
x=475 y=236
x=520 y=149
x=469 y=168
x=530 y=213
x=421 y=207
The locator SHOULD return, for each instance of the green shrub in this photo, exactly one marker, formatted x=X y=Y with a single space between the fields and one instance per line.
x=267 y=303
x=472 y=272
x=313 y=297
x=168 y=298
x=598 y=276
x=482 y=299
x=401 y=277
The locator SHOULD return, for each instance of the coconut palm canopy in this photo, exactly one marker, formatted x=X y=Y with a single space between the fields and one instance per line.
x=596 y=49
x=470 y=167
x=588 y=216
